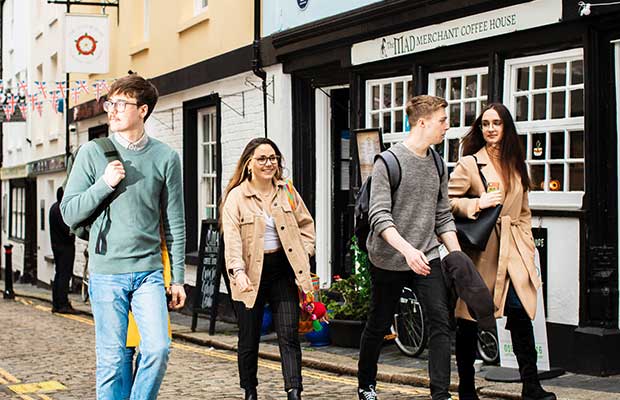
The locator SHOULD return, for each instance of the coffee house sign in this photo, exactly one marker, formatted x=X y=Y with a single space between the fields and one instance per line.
x=480 y=26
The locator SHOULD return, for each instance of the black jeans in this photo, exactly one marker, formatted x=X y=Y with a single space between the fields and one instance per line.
x=386 y=288
x=63 y=260
x=278 y=288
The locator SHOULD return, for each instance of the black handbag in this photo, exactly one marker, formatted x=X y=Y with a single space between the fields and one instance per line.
x=475 y=233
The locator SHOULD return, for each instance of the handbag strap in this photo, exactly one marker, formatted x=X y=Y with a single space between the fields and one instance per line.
x=484 y=180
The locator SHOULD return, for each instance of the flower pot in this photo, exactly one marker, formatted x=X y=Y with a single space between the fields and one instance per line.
x=320 y=338
x=345 y=333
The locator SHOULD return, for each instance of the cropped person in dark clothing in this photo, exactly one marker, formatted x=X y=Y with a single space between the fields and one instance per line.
x=63 y=248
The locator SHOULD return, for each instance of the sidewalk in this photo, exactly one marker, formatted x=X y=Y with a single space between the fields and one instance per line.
x=394 y=366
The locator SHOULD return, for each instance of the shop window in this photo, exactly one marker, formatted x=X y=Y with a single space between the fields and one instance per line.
x=466 y=92
x=200 y=6
x=386 y=100
x=17 y=211
x=207 y=163
x=545 y=93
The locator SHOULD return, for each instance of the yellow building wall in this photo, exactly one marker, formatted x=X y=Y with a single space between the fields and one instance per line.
x=174 y=38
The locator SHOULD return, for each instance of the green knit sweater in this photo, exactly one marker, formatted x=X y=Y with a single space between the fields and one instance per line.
x=152 y=191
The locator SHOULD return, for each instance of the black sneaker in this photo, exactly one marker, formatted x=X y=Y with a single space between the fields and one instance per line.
x=367 y=393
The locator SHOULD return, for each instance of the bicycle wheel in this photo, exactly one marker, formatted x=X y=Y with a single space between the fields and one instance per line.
x=488 y=347
x=85 y=283
x=409 y=325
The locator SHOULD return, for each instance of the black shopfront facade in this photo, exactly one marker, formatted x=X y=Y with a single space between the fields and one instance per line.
x=559 y=80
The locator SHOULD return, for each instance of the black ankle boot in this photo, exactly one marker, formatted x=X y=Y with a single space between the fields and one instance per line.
x=293 y=394
x=250 y=394
x=524 y=346
x=466 y=337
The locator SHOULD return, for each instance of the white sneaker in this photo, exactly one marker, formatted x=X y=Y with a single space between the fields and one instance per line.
x=367 y=394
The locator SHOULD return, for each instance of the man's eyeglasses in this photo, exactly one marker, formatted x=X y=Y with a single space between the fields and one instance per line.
x=262 y=160
x=119 y=106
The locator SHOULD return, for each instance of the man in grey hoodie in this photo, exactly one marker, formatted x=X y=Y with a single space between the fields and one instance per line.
x=403 y=246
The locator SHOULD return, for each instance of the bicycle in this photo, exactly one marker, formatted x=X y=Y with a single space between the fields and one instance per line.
x=410 y=330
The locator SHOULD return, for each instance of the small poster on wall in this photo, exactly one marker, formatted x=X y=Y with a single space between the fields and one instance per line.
x=369 y=144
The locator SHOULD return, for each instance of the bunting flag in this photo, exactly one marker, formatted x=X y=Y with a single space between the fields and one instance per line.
x=23 y=109
x=54 y=98
x=39 y=107
x=23 y=88
x=32 y=98
x=62 y=88
x=75 y=94
x=41 y=86
x=101 y=87
x=82 y=86
x=7 y=112
x=12 y=102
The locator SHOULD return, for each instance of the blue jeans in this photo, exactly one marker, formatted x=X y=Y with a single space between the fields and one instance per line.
x=111 y=298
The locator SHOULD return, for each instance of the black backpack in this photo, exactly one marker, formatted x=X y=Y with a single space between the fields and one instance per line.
x=362 y=198
x=82 y=230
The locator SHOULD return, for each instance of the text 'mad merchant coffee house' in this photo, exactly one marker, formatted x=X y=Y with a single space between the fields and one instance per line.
x=555 y=64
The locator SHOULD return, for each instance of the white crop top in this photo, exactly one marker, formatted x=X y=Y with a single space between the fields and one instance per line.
x=272 y=241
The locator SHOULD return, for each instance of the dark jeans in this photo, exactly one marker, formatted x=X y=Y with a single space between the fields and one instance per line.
x=386 y=288
x=278 y=288
x=63 y=258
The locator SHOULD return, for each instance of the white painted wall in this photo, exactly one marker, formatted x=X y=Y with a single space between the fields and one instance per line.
x=323 y=189
x=563 y=268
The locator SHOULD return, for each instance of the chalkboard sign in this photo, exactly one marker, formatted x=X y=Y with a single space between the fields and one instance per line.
x=209 y=273
x=540 y=240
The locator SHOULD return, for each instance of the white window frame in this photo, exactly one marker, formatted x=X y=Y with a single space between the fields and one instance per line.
x=568 y=200
x=460 y=131
x=18 y=212
x=211 y=175
x=146 y=23
x=199 y=7
x=392 y=137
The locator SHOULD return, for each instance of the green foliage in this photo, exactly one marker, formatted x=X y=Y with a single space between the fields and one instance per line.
x=350 y=297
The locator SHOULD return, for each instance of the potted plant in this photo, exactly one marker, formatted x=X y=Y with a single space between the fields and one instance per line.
x=349 y=301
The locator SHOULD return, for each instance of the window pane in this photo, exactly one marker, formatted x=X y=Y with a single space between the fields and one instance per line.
x=558 y=105
x=576 y=72
x=537 y=175
x=557 y=145
x=206 y=160
x=455 y=88
x=374 y=120
x=576 y=177
x=387 y=95
x=522 y=105
x=540 y=106
x=538 y=146
x=471 y=86
x=556 y=177
x=387 y=126
x=455 y=115
x=453 y=150
x=523 y=142
x=576 y=103
x=470 y=113
x=398 y=121
x=558 y=74
x=523 y=78
x=440 y=88
x=576 y=144
x=398 y=94
x=409 y=90
x=540 y=77
x=484 y=85
x=375 y=97
x=439 y=149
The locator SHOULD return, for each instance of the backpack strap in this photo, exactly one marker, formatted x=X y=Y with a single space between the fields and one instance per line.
x=393 y=168
x=439 y=164
x=290 y=194
x=108 y=148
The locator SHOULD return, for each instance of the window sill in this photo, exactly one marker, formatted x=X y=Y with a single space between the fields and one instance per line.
x=138 y=48
x=190 y=23
x=570 y=201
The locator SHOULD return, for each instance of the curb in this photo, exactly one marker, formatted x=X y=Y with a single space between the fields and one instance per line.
x=309 y=362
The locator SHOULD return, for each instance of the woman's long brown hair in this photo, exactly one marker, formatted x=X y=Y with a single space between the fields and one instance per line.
x=512 y=154
x=241 y=170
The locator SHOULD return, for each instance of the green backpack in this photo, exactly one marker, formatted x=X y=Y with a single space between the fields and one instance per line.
x=82 y=230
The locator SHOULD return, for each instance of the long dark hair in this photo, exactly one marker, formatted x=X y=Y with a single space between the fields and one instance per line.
x=512 y=154
x=241 y=170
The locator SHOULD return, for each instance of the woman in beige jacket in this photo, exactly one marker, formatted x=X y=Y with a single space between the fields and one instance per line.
x=269 y=237
x=492 y=147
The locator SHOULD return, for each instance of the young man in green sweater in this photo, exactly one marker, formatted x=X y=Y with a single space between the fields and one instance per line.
x=126 y=270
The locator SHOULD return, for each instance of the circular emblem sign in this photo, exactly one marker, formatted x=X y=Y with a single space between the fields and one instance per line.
x=86 y=44
x=302 y=3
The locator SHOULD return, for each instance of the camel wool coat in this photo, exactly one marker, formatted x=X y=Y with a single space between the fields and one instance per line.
x=509 y=255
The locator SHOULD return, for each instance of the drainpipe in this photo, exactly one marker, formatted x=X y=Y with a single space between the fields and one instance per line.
x=256 y=62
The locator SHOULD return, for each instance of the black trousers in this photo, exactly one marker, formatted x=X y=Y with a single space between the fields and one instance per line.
x=278 y=288
x=386 y=288
x=63 y=259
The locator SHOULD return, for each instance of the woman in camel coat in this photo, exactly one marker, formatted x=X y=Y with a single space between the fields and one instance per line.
x=507 y=263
